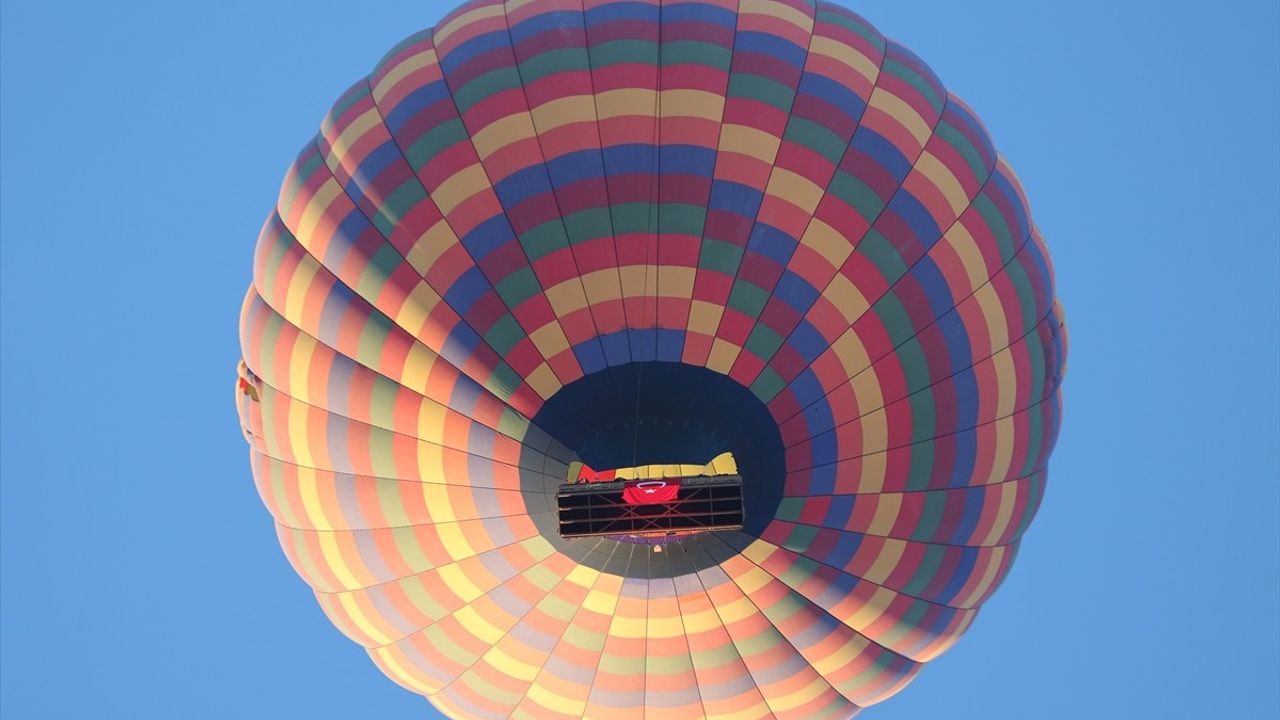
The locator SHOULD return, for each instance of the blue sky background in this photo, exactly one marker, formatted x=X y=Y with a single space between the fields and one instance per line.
x=144 y=142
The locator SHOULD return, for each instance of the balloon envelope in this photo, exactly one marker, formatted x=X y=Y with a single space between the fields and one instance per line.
x=637 y=233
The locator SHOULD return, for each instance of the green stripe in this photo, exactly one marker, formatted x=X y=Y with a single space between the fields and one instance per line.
x=921 y=465
x=915 y=80
x=681 y=219
x=588 y=224
x=762 y=89
x=995 y=221
x=957 y=140
x=767 y=386
x=935 y=504
x=375 y=274
x=856 y=194
x=692 y=52
x=518 y=286
x=555 y=61
x=763 y=342
x=484 y=86
x=850 y=24
x=928 y=569
x=505 y=334
x=719 y=256
x=435 y=141
x=351 y=97
x=747 y=298
x=544 y=239
x=641 y=52
x=815 y=137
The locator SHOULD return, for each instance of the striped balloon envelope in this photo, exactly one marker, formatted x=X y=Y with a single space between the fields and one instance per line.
x=549 y=234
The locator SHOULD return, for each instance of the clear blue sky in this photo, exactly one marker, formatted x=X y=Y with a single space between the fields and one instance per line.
x=143 y=144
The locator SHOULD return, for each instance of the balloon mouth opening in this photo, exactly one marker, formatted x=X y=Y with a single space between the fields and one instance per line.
x=654 y=413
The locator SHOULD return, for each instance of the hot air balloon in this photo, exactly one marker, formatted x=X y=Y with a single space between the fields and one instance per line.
x=549 y=250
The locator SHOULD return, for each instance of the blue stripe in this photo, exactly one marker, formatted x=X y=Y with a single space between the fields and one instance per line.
x=545 y=22
x=415 y=102
x=769 y=44
x=455 y=58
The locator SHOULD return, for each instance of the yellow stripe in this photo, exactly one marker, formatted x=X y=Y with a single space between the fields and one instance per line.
x=749 y=141
x=899 y=110
x=312 y=506
x=841 y=656
x=628 y=101
x=549 y=339
x=566 y=297
x=886 y=561
x=778 y=10
x=335 y=561
x=457 y=581
x=398 y=672
x=795 y=189
x=431 y=420
x=665 y=627
x=1004 y=430
x=478 y=625
x=502 y=661
x=564 y=111
x=601 y=602
x=759 y=551
x=555 y=702
x=350 y=134
x=846 y=55
x=299 y=283
x=853 y=357
x=875 y=466
x=988 y=577
x=993 y=313
x=304 y=347
x=314 y=212
x=503 y=132
x=691 y=103
x=942 y=178
x=872 y=609
x=430 y=246
x=454 y=541
x=297 y=431
x=459 y=187
x=848 y=299
x=828 y=242
x=436 y=497
x=1006 y=381
x=361 y=621
x=406 y=67
x=966 y=249
x=543 y=381
x=443 y=32
x=1008 y=495
x=701 y=621
x=417 y=307
x=888 y=506
x=793 y=700
x=737 y=610
x=723 y=353
x=627 y=627
x=417 y=367
x=704 y=317
x=602 y=285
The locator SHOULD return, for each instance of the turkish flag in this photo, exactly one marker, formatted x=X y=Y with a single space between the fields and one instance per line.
x=649 y=492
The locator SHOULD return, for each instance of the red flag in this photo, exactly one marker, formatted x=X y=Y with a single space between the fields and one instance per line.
x=649 y=492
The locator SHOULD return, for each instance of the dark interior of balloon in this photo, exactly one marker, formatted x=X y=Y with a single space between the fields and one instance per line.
x=664 y=413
